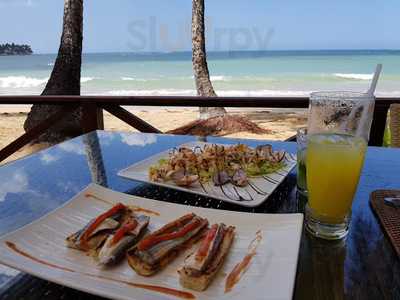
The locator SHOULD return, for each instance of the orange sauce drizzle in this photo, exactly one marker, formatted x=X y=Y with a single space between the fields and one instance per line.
x=154 y=288
x=144 y=210
x=14 y=247
x=134 y=208
x=241 y=267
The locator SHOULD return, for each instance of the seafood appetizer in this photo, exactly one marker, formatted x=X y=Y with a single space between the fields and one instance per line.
x=201 y=266
x=218 y=164
x=159 y=248
x=108 y=236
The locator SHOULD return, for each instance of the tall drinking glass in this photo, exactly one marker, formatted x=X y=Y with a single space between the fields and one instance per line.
x=338 y=133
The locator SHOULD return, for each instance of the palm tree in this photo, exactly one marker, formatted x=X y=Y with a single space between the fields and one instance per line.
x=199 y=59
x=65 y=77
x=213 y=121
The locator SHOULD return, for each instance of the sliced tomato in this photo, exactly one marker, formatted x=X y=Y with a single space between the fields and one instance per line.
x=205 y=244
x=100 y=220
x=152 y=240
x=123 y=230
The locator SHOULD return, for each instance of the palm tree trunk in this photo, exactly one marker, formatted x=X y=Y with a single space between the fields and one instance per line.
x=65 y=77
x=214 y=120
x=199 y=58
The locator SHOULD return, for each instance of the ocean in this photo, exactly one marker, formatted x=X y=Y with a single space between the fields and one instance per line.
x=247 y=73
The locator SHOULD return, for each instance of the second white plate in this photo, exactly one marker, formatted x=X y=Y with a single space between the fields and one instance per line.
x=251 y=196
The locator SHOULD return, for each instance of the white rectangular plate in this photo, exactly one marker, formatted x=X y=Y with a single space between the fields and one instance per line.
x=271 y=274
x=248 y=196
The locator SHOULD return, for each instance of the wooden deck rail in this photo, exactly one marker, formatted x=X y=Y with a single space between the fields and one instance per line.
x=92 y=111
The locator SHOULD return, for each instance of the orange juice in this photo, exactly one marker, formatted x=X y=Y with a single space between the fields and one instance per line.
x=334 y=163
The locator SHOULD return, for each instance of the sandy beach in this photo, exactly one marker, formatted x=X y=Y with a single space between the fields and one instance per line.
x=283 y=123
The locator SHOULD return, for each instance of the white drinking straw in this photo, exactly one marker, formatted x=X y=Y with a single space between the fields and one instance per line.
x=375 y=79
x=364 y=126
x=364 y=113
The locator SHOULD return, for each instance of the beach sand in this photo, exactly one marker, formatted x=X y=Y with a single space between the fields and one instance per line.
x=282 y=122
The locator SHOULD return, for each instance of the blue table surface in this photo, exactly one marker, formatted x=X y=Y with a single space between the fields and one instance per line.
x=35 y=185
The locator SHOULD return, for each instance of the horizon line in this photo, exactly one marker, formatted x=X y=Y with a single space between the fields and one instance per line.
x=225 y=51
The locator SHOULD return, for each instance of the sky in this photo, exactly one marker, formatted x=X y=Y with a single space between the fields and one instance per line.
x=164 y=25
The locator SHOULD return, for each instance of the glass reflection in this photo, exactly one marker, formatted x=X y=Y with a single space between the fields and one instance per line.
x=138 y=139
x=328 y=260
x=95 y=158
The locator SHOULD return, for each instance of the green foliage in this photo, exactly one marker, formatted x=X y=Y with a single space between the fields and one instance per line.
x=13 y=49
x=263 y=168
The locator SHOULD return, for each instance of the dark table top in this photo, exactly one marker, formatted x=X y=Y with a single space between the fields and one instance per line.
x=364 y=266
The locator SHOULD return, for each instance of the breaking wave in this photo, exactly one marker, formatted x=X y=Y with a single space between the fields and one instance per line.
x=21 y=82
x=161 y=92
x=226 y=93
x=354 y=76
x=135 y=79
x=220 y=78
x=87 y=79
x=29 y=82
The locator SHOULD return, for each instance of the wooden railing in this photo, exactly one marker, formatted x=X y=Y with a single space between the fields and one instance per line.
x=92 y=111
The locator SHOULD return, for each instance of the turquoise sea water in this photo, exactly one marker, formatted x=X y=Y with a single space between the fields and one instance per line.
x=254 y=73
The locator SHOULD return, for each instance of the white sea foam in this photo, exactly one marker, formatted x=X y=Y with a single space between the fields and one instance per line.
x=220 y=78
x=29 y=82
x=136 y=79
x=161 y=92
x=354 y=76
x=212 y=78
x=262 y=93
x=87 y=79
x=226 y=93
x=21 y=82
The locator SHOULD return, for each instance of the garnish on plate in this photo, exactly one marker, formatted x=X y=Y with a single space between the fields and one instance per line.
x=217 y=164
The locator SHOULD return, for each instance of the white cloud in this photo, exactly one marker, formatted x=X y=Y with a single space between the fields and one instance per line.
x=138 y=139
x=17 y=183
x=72 y=147
x=106 y=138
x=48 y=158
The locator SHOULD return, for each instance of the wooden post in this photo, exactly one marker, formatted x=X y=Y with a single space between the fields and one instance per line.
x=91 y=117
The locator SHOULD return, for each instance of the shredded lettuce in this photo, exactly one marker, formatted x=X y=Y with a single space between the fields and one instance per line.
x=205 y=175
x=263 y=168
x=162 y=161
